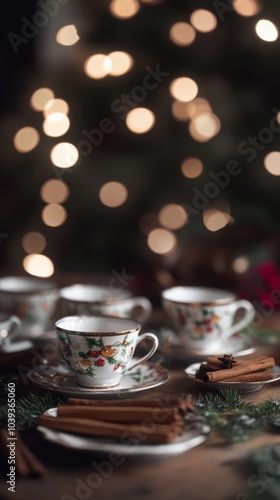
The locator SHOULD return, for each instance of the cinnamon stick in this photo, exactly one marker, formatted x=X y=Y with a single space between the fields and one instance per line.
x=155 y=434
x=252 y=377
x=242 y=369
x=27 y=464
x=120 y=414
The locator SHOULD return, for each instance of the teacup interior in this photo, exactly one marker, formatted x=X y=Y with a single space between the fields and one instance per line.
x=95 y=324
x=198 y=295
x=24 y=284
x=93 y=293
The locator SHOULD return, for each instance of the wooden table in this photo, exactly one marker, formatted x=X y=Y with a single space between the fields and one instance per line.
x=214 y=470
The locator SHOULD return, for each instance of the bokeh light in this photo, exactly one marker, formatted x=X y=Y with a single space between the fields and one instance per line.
x=56 y=106
x=124 y=8
x=54 y=191
x=98 y=66
x=64 y=155
x=214 y=220
x=54 y=215
x=183 y=89
x=148 y=222
x=204 y=127
x=272 y=162
x=34 y=242
x=173 y=216
x=266 y=30
x=56 y=124
x=121 y=63
x=180 y=111
x=246 y=8
x=198 y=106
x=38 y=265
x=192 y=167
x=240 y=264
x=40 y=98
x=203 y=20
x=140 y=120
x=67 y=35
x=162 y=241
x=113 y=194
x=182 y=34
x=26 y=139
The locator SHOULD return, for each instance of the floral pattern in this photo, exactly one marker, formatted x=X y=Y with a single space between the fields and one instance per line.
x=91 y=354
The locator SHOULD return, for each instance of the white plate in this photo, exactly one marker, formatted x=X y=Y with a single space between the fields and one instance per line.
x=16 y=346
x=170 y=347
x=241 y=386
x=195 y=435
x=58 y=378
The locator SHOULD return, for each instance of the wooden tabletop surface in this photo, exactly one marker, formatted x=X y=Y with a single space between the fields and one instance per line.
x=214 y=470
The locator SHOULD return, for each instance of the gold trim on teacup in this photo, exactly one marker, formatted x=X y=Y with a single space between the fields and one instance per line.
x=99 y=334
x=94 y=302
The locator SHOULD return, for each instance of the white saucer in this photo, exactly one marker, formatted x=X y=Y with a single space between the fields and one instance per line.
x=240 y=386
x=170 y=347
x=16 y=346
x=58 y=378
x=194 y=435
x=39 y=335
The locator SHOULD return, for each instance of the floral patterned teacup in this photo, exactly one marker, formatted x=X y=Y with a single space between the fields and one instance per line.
x=204 y=318
x=9 y=328
x=98 y=300
x=99 y=350
x=33 y=300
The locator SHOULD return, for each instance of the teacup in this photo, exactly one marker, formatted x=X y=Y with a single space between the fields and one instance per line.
x=204 y=318
x=33 y=300
x=100 y=300
x=99 y=350
x=9 y=328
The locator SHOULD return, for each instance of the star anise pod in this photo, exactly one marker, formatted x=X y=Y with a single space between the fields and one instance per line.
x=227 y=361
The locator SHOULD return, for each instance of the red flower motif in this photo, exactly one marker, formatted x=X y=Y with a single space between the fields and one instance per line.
x=99 y=362
x=207 y=321
x=209 y=329
x=116 y=367
x=94 y=353
x=124 y=342
x=182 y=319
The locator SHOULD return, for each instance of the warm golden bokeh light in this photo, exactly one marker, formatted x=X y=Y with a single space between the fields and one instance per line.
x=266 y=30
x=140 y=120
x=148 y=222
x=26 y=139
x=33 y=242
x=40 y=98
x=98 y=66
x=198 y=106
x=246 y=8
x=173 y=216
x=182 y=34
x=54 y=215
x=192 y=167
x=204 y=127
x=67 y=35
x=54 y=191
x=180 y=111
x=38 y=265
x=124 y=8
x=121 y=63
x=272 y=162
x=113 y=194
x=214 y=219
x=203 y=20
x=164 y=277
x=240 y=264
x=183 y=89
x=162 y=241
x=56 y=124
x=64 y=155
x=56 y=106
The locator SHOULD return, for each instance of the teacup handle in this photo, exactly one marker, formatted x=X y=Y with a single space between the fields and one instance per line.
x=13 y=324
x=248 y=318
x=153 y=349
x=145 y=308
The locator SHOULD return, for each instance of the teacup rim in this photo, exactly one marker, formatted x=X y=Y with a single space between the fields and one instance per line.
x=222 y=301
x=59 y=329
x=46 y=285
x=108 y=300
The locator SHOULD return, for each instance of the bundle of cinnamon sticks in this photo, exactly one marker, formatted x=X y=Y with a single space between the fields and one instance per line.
x=149 y=421
x=26 y=463
x=227 y=369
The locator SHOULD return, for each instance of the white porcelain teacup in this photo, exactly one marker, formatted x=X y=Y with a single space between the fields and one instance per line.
x=98 y=300
x=33 y=300
x=10 y=327
x=99 y=350
x=204 y=318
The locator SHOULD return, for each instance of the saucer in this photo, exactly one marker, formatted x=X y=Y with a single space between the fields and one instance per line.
x=170 y=346
x=39 y=335
x=194 y=435
x=240 y=386
x=16 y=346
x=58 y=378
